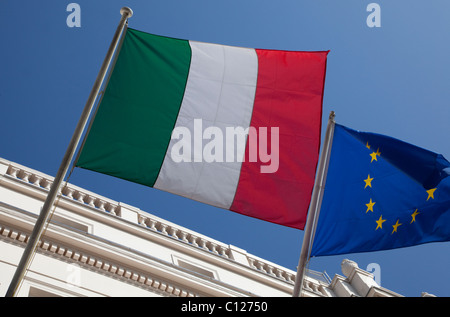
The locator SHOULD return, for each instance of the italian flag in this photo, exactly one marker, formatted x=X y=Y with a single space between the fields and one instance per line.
x=169 y=104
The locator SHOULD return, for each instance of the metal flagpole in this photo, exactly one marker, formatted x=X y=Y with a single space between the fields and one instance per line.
x=314 y=207
x=45 y=212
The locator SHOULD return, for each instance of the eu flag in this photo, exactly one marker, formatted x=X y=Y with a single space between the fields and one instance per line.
x=381 y=193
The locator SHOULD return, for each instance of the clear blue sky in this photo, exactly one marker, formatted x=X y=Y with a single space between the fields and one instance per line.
x=393 y=80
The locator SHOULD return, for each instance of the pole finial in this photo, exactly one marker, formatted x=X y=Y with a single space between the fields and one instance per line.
x=332 y=115
x=126 y=11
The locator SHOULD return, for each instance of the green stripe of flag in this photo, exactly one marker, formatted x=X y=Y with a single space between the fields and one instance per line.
x=134 y=123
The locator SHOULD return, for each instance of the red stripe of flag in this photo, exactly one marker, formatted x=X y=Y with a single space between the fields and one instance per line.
x=289 y=96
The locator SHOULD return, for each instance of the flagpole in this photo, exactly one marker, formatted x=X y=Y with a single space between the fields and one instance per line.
x=54 y=189
x=314 y=208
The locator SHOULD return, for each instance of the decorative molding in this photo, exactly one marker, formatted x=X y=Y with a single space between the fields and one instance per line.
x=101 y=204
x=92 y=262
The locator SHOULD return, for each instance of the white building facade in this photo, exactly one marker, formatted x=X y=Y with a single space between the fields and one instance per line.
x=98 y=247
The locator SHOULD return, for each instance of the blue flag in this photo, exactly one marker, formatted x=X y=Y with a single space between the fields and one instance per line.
x=381 y=193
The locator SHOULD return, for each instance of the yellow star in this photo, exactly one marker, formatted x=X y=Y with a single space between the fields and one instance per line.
x=367 y=145
x=431 y=193
x=413 y=215
x=378 y=152
x=370 y=206
x=395 y=227
x=374 y=156
x=368 y=181
x=380 y=223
